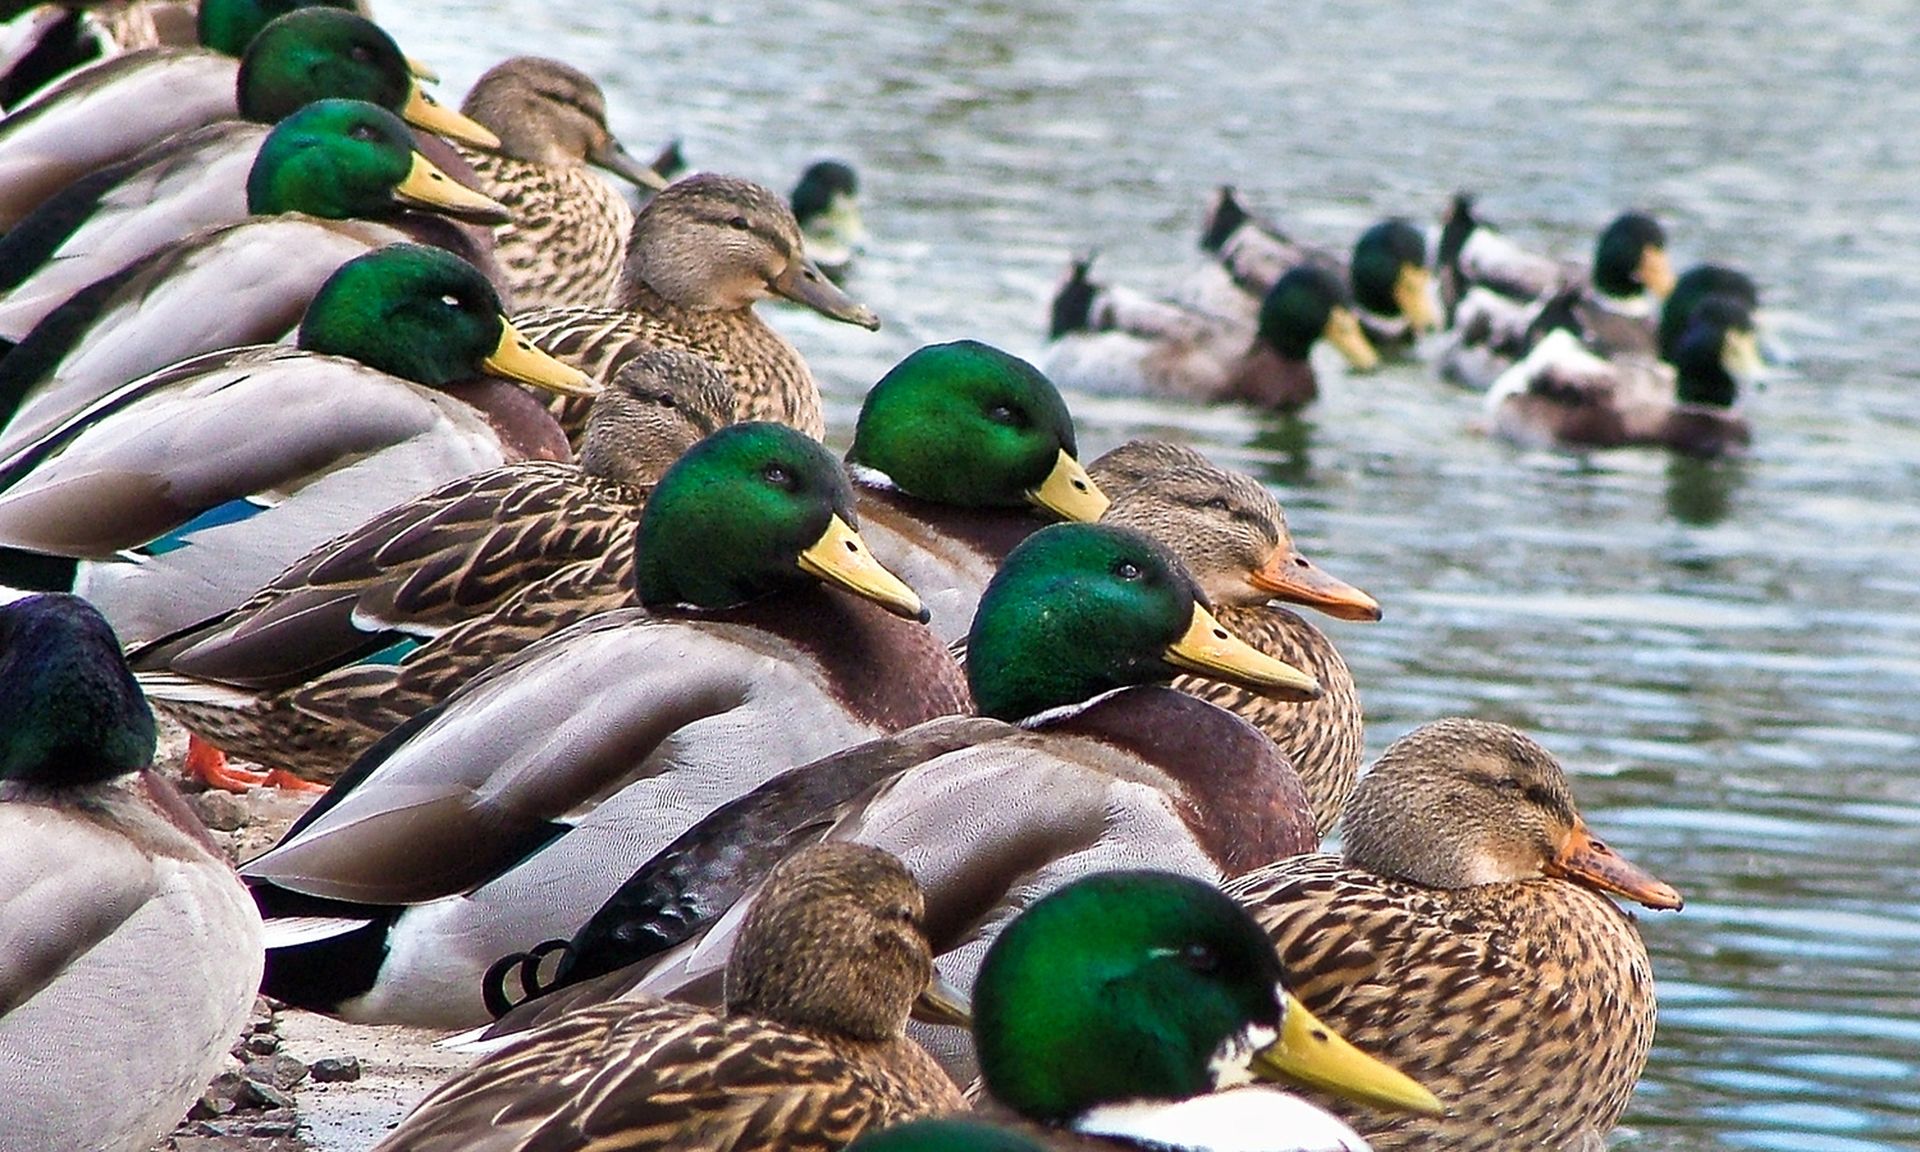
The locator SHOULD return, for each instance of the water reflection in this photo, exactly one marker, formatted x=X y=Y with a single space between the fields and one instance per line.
x=1700 y=492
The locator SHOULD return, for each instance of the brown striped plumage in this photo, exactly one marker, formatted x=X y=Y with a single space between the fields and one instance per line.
x=1447 y=944
x=1225 y=526
x=810 y=1053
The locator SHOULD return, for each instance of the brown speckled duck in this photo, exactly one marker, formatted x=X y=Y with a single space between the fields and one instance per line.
x=809 y=1052
x=701 y=254
x=1467 y=938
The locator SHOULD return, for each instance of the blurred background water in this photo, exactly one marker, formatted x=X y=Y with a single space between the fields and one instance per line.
x=1728 y=655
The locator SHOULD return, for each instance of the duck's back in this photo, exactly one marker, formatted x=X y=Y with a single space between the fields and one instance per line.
x=568 y=238
x=1528 y=1008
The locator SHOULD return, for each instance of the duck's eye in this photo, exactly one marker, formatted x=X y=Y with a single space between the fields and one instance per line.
x=362 y=54
x=1004 y=414
x=778 y=476
x=1200 y=958
x=452 y=301
x=1126 y=570
x=1217 y=503
x=740 y=222
x=664 y=399
x=365 y=132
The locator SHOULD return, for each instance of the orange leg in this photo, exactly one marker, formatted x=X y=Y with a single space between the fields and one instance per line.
x=208 y=765
x=281 y=778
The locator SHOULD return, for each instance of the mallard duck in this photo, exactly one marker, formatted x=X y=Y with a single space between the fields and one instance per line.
x=111 y=111
x=335 y=180
x=1112 y=340
x=1466 y=938
x=508 y=815
x=133 y=952
x=1232 y=535
x=44 y=42
x=809 y=1052
x=569 y=234
x=395 y=386
x=826 y=202
x=1564 y=396
x=1391 y=287
x=1082 y=761
x=944 y=1134
x=702 y=252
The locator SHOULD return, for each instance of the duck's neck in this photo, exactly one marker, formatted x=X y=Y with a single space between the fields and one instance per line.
x=1250 y=1119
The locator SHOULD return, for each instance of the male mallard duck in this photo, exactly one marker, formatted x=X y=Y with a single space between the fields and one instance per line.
x=955 y=450
x=1084 y=761
x=1392 y=290
x=702 y=252
x=1145 y=1010
x=508 y=815
x=944 y=1134
x=416 y=569
x=395 y=386
x=809 y=1052
x=1112 y=340
x=826 y=202
x=201 y=179
x=335 y=180
x=1564 y=396
x=1231 y=534
x=1465 y=938
x=44 y=42
x=569 y=235
x=133 y=952
x=111 y=111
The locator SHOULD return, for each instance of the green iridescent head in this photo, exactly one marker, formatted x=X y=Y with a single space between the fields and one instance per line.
x=70 y=711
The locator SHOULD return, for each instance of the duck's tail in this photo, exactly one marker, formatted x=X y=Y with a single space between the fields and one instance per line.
x=1073 y=303
x=1224 y=217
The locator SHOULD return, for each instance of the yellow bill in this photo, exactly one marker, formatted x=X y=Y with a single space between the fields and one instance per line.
x=1740 y=356
x=1656 y=271
x=420 y=70
x=1343 y=332
x=1210 y=650
x=426 y=186
x=842 y=559
x=1308 y=1052
x=1068 y=492
x=515 y=358
x=1413 y=295
x=423 y=112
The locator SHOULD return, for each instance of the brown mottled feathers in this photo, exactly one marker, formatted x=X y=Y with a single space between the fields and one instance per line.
x=568 y=237
x=1527 y=1007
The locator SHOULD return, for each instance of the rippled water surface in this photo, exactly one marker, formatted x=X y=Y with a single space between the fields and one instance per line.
x=1728 y=655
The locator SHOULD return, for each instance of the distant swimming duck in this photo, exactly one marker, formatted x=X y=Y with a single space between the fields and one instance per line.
x=133 y=952
x=826 y=202
x=568 y=238
x=110 y=111
x=1116 y=341
x=702 y=253
x=1466 y=939
x=396 y=386
x=809 y=1052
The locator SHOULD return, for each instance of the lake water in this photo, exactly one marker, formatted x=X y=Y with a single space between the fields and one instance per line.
x=1727 y=655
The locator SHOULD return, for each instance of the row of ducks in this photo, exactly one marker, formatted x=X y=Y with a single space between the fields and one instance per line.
x=603 y=687
x=1622 y=353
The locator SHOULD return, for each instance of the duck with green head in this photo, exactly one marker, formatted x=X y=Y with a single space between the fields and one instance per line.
x=123 y=921
x=46 y=41
x=1080 y=759
x=765 y=635
x=399 y=381
x=997 y=431
x=826 y=202
x=1116 y=341
x=337 y=179
x=109 y=112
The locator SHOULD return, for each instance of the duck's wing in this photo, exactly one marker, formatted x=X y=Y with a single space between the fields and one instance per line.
x=412 y=571
x=1493 y=260
x=110 y=218
x=243 y=284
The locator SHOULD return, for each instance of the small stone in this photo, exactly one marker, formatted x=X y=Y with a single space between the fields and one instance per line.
x=263 y=1044
x=209 y=1107
x=280 y=1070
x=331 y=1069
x=260 y=1095
x=229 y=1086
x=220 y=811
x=272 y=1128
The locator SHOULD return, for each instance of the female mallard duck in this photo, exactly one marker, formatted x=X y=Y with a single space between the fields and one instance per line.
x=508 y=815
x=335 y=180
x=1392 y=290
x=1564 y=396
x=398 y=383
x=955 y=450
x=826 y=202
x=1466 y=939
x=413 y=571
x=1112 y=340
x=111 y=111
x=1232 y=535
x=1083 y=761
x=702 y=252
x=569 y=232
x=133 y=952
x=203 y=178
x=809 y=1051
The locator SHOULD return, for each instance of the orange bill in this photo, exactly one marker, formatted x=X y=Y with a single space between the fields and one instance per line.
x=1297 y=580
x=1588 y=861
